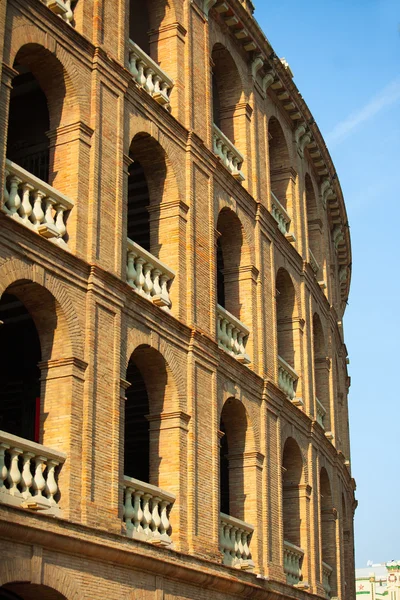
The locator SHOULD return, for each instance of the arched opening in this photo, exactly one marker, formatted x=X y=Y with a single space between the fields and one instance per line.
x=231 y=255
x=139 y=24
x=292 y=464
x=27 y=143
x=150 y=180
x=41 y=100
x=328 y=535
x=151 y=393
x=286 y=313
x=227 y=93
x=146 y=17
x=314 y=229
x=321 y=371
x=279 y=164
x=234 y=442
x=29 y=591
x=19 y=371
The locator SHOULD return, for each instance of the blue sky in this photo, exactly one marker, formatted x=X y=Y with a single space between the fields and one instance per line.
x=345 y=56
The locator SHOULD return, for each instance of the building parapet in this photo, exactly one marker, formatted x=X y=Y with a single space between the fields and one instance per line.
x=235 y=538
x=28 y=474
x=148 y=276
x=35 y=203
x=149 y=76
x=232 y=335
x=146 y=512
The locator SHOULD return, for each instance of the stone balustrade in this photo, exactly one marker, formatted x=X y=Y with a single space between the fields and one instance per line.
x=235 y=538
x=232 y=335
x=28 y=474
x=148 y=276
x=62 y=8
x=287 y=378
x=146 y=512
x=313 y=262
x=35 y=204
x=326 y=579
x=321 y=412
x=149 y=76
x=229 y=155
x=280 y=215
x=292 y=562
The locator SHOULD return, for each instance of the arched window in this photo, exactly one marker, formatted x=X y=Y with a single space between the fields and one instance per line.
x=227 y=94
x=153 y=452
x=288 y=332
x=19 y=371
x=152 y=188
x=321 y=374
x=234 y=285
x=139 y=23
x=294 y=513
x=281 y=179
x=314 y=230
x=328 y=536
x=238 y=484
x=28 y=123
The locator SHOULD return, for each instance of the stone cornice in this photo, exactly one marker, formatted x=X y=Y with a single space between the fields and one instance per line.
x=278 y=77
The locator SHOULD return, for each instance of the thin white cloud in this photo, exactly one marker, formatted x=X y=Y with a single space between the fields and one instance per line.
x=389 y=95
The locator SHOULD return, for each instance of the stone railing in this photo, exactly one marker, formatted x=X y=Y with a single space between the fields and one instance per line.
x=146 y=512
x=313 y=262
x=35 y=204
x=232 y=335
x=326 y=578
x=149 y=76
x=280 y=215
x=147 y=275
x=287 y=378
x=321 y=412
x=62 y=8
x=292 y=561
x=229 y=155
x=28 y=474
x=235 y=538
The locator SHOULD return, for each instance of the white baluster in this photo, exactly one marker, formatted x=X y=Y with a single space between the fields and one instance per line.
x=27 y=477
x=148 y=283
x=132 y=65
x=25 y=210
x=14 y=474
x=146 y=514
x=155 y=517
x=141 y=77
x=164 y=279
x=156 y=282
x=149 y=85
x=140 y=279
x=137 y=511
x=60 y=225
x=48 y=215
x=129 y=512
x=164 y=90
x=51 y=484
x=3 y=468
x=130 y=269
x=229 y=329
x=39 y=482
x=69 y=15
x=37 y=213
x=164 y=525
x=14 y=201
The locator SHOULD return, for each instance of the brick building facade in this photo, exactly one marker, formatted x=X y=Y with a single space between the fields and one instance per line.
x=174 y=268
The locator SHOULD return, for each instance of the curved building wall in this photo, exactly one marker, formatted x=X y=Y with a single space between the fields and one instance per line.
x=205 y=353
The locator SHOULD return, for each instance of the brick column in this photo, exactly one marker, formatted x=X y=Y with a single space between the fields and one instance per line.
x=69 y=174
x=168 y=466
x=7 y=75
x=60 y=424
